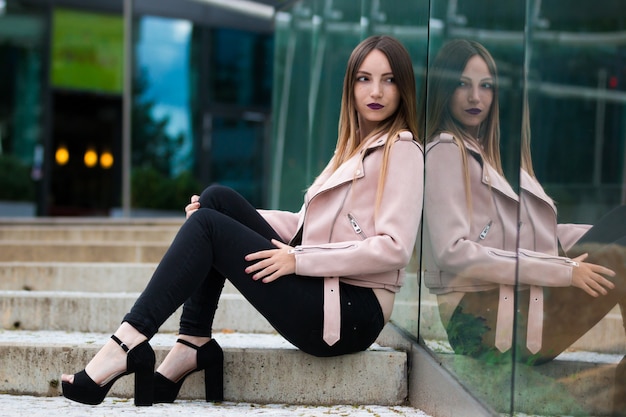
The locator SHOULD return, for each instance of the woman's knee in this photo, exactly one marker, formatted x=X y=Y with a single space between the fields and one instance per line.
x=214 y=194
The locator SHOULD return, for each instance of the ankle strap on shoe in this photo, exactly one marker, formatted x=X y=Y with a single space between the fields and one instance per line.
x=119 y=342
x=186 y=343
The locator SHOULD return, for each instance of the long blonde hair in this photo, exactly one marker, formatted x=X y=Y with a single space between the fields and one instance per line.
x=349 y=141
x=435 y=116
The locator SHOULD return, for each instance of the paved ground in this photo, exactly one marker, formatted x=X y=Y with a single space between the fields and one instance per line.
x=27 y=406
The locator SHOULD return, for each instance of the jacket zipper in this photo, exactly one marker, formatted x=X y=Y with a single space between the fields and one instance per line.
x=356 y=227
x=566 y=261
x=483 y=234
x=300 y=249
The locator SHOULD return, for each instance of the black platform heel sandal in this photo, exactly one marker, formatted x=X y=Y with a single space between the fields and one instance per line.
x=210 y=358
x=140 y=360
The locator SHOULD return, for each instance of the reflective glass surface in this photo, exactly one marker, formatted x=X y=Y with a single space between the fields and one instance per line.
x=575 y=85
x=521 y=332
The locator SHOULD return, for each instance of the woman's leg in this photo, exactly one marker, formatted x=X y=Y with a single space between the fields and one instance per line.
x=213 y=241
x=359 y=305
x=570 y=312
x=176 y=278
x=212 y=244
x=199 y=309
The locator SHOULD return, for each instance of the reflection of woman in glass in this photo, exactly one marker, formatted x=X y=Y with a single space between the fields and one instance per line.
x=471 y=221
x=329 y=289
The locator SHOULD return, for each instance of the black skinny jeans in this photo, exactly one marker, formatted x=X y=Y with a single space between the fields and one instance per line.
x=210 y=246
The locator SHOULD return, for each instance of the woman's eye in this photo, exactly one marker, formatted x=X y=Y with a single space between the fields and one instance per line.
x=390 y=80
x=488 y=85
x=361 y=78
x=461 y=84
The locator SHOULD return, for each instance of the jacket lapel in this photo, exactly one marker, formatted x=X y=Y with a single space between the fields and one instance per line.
x=491 y=177
x=531 y=186
x=351 y=169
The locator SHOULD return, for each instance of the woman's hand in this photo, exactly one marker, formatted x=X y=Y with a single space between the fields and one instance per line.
x=193 y=206
x=273 y=263
x=589 y=277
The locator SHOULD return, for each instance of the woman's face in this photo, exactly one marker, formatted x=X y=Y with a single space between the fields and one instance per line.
x=375 y=91
x=471 y=101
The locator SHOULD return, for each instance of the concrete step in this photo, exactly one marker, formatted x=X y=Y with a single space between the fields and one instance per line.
x=87 y=251
x=102 y=312
x=65 y=279
x=79 y=276
x=75 y=276
x=63 y=222
x=90 y=233
x=257 y=368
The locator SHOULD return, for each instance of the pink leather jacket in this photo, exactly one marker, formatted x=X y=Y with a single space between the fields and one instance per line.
x=344 y=236
x=476 y=249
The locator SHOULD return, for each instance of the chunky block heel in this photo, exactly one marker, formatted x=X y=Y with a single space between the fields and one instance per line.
x=210 y=358
x=144 y=387
x=139 y=360
x=214 y=373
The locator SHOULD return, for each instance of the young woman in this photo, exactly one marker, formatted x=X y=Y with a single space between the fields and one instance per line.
x=486 y=248
x=324 y=277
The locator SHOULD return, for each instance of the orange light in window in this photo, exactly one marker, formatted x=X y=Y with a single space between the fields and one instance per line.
x=106 y=160
x=91 y=158
x=62 y=155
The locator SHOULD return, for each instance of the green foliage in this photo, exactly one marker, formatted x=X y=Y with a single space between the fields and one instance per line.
x=153 y=190
x=15 y=181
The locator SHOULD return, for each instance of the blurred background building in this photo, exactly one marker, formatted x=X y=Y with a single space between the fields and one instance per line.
x=189 y=81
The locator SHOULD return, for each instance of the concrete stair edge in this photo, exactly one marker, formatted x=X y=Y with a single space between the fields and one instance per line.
x=60 y=221
x=98 y=251
x=263 y=369
x=102 y=312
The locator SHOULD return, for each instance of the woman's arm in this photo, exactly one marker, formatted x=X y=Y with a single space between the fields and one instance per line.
x=285 y=223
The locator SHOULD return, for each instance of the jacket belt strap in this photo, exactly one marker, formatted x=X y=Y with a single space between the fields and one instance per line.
x=332 y=311
x=504 y=323
x=535 y=319
x=506 y=312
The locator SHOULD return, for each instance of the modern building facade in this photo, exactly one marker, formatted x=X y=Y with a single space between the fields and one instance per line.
x=107 y=107
x=189 y=81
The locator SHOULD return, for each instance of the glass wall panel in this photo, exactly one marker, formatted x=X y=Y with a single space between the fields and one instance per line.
x=576 y=96
x=313 y=42
x=521 y=331
x=22 y=73
x=408 y=22
x=472 y=106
